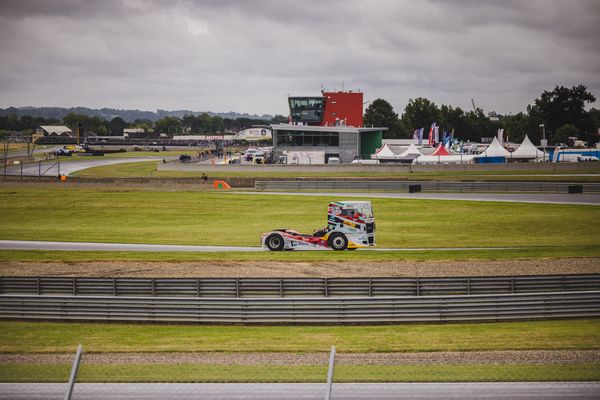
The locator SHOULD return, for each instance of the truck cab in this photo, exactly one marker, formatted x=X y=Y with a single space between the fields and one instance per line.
x=350 y=224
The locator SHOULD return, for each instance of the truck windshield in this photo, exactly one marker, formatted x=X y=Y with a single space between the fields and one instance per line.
x=366 y=210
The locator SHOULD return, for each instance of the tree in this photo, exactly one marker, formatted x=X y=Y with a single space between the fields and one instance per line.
x=563 y=134
x=564 y=106
x=117 y=124
x=420 y=113
x=168 y=125
x=380 y=113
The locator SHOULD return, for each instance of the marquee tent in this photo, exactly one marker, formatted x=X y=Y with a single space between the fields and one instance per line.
x=528 y=151
x=411 y=153
x=449 y=159
x=493 y=154
x=384 y=154
x=440 y=151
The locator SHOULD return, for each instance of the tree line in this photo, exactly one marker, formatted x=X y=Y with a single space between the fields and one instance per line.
x=189 y=124
x=561 y=111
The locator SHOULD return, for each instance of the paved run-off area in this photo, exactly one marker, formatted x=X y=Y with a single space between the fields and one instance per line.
x=257 y=391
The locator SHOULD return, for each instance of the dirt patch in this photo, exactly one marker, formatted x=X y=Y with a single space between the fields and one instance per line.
x=216 y=269
x=464 y=357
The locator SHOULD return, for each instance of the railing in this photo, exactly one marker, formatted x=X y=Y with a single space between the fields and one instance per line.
x=295 y=287
x=434 y=186
x=497 y=307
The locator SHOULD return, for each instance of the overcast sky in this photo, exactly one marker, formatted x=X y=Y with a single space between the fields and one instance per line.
x=248 y=56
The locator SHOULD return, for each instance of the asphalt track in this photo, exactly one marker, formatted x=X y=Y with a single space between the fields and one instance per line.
x=590 y=199
x=305 y=391
x=68 y=167
x=89 y=246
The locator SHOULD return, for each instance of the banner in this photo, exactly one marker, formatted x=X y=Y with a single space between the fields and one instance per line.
x=430 y=142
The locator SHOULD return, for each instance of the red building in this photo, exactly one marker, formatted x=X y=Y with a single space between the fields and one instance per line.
x=330 y=109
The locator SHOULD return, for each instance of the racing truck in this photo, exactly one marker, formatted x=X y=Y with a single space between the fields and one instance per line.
x=350 y=225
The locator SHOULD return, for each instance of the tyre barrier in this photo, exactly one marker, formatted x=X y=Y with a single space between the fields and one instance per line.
x=365 y=310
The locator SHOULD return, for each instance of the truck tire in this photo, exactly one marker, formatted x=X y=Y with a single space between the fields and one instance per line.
x=275 y=242
x=338 y=241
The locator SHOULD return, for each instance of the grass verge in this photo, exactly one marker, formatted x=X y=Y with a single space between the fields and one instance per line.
x=52 y=337
x=144 y=169
x=305 y=373
x=211 y=218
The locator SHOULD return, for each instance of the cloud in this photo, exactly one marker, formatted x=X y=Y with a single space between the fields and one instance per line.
x=248 y=56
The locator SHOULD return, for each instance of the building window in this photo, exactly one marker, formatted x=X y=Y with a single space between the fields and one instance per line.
x=312 y=139
x=306 y=109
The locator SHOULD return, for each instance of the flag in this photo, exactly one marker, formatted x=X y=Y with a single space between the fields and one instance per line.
x=436 y=131
x=431 y=134
x=501 y=136
x=416 y=135
x=447 y=140
x=421 y=136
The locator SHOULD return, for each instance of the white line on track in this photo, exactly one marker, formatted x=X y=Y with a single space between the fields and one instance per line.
x=91 y=246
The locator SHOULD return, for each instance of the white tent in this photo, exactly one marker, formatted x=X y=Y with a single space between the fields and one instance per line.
x=410 y=153
x=495 y=149
x=528 y=150
x=384 y=153
x=451 y=159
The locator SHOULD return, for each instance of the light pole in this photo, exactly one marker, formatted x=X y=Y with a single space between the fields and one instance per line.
x=544 y=143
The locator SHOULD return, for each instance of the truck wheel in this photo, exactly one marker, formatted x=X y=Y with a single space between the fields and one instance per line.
x=338 y=241
x=275 y=242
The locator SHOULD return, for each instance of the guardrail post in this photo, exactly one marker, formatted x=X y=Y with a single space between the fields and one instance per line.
x=326 y=287
x=153 y=287
x=237 y=287
x=281 y=288
x=330 y=373
x=370 y=287
x=418 y=287
x=114 y=286
x=74 y=283
x=468 y=286
x=563 y=285
x=38 y=286
x=73 y=376
x=39 y=169
x=198 y=287
x=512 y=284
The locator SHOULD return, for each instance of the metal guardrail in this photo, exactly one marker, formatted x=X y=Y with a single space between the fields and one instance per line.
x=296 y=287
x=497 y=307
x=426 y=186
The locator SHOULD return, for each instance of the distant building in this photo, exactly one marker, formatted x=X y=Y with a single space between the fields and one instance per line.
x=54 y=130
x=329 y=109
x=331 y=124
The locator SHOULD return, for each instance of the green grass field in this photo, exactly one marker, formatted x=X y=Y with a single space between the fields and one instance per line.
x=52 y=337
x=221 y=218
x=304 y=373
x=148 y=168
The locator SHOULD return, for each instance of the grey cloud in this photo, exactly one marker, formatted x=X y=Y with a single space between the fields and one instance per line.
x=248 y=55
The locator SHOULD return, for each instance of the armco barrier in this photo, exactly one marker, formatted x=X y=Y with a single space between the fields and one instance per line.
x=296 y=287
x=426 y=186
x=497 y=307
